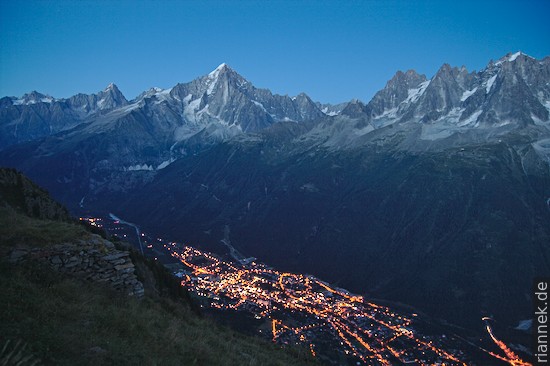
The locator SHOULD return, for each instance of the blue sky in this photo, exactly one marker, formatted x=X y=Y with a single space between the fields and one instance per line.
x=332 y=50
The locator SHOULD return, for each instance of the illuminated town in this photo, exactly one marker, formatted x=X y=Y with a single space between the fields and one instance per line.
x=333 y=325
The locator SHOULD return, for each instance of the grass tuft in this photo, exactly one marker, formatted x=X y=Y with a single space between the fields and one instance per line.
x=17 y=229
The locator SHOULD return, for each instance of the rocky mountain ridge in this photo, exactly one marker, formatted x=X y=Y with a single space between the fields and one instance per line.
x=162 y=125
x=455 y=95
x=36 y=115
x=221 y=104
x=453 y=108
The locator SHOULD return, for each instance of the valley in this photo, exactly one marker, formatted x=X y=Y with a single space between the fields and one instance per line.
x=338 y=327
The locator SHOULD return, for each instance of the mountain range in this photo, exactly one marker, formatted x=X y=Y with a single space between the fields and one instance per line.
x=436 y=193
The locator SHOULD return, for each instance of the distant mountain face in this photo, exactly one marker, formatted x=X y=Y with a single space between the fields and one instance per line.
x=454 y=106
x=513 y=91
x=436 y=188
x=156 y=127
x=508 y=95
x=36 y=115
x=225 y=97
x=459 y=233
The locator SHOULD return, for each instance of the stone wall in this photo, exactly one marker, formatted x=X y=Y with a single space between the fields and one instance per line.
x=94 y=259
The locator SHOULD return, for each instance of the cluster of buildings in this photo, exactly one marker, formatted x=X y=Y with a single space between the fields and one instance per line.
x=302 y=309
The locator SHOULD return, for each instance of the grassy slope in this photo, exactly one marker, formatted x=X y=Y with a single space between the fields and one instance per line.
x=67 y=321
x=17 y=229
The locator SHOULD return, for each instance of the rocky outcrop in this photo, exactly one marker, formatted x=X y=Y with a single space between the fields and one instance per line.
x=22 y=194
x=395 y=92
x=94 y=259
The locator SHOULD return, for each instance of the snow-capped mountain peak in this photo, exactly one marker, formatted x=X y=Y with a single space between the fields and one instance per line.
x=213 y=77
x=33 y=98
x=110 y=87
x=215 y=73
x=225 y=98
x=510 y=58
x=153 y=92
x=514 y=56
x=111 y=97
